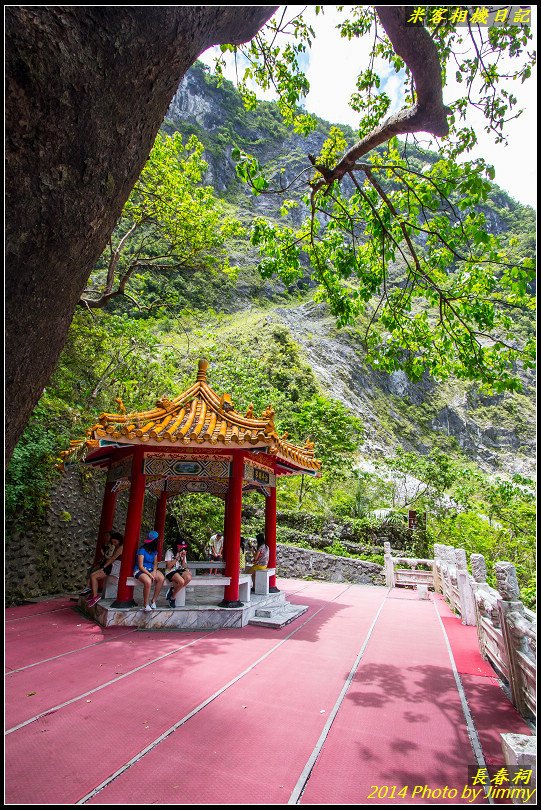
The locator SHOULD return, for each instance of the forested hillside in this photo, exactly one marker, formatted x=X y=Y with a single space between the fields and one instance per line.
x=180 y=281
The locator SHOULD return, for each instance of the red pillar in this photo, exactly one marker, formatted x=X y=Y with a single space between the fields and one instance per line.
x=270 y=534
x=132 y=530
x=232 y=532
x=226 y=501
x=159 y=521
x=107 y=517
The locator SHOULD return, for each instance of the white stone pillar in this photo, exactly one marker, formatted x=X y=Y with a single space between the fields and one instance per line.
x=467 y=602
x=447 y=570
x=519 y=752
x=388 y=565
x=510 y=603
x=479 y=578
x=437 y=567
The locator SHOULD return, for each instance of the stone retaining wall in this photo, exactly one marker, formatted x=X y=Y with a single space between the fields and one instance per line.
x=301 y=562
x=53 y=556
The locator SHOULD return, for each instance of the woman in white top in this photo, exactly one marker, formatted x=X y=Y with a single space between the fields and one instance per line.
x=261 y=557
x=176 y=571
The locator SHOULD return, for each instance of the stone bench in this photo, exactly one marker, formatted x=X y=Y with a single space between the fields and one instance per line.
x=110 y=585
x=201 y=566
x=262 y=581
x=245 y=582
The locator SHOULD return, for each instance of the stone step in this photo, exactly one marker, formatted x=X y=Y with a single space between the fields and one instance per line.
x=277 y=600
x=278 y=617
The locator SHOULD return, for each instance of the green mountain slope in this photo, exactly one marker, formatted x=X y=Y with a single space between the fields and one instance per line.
x=496 y=432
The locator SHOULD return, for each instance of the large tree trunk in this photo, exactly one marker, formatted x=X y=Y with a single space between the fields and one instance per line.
x=87 y=89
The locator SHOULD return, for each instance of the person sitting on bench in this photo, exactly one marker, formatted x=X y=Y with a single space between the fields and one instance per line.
x=176 y=570
x=110 y=565
x=261 y=557
x=242 y=554
x=146 y=569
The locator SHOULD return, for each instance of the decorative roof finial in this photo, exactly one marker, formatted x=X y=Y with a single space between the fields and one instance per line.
x=121 y=405
x=309 y=445
x=202 y=370
x=268 y=413
x=225 y=402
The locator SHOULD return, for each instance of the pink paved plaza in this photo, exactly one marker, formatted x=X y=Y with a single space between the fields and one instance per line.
x=370 y=688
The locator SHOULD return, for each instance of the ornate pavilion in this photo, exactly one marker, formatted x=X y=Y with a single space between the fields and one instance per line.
x=196 y=442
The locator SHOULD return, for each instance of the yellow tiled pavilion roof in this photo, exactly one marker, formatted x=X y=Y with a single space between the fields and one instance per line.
x=197 y=417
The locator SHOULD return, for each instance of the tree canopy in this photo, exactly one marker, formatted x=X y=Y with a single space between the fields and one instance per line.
x=390 y=231
x=170 y=221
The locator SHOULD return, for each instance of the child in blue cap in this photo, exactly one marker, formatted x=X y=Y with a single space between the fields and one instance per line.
x=146 y=569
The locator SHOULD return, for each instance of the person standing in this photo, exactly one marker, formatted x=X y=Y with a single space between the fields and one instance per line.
x=216 y=550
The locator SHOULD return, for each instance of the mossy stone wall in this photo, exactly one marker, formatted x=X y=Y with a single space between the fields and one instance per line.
x=300 y=562
x=53 y=556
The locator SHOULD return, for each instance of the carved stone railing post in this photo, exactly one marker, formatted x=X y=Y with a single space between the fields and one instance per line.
x=520 y=754
x=449 y=579
x=511 y=612
x=443 y=572
x=479 y=579
x=437 y=567
x=487 y=616
x=388 y=565
x=478 y=568
x=455 y=598
x=467 y=602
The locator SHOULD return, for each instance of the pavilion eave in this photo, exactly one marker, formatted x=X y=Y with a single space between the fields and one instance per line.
x=283 y=468
x=105 y=453
x=166 y=446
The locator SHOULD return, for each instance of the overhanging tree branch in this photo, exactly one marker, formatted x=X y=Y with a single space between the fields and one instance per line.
x=429 y=114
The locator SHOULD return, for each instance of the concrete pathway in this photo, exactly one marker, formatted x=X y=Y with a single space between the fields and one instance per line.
x=372 y=696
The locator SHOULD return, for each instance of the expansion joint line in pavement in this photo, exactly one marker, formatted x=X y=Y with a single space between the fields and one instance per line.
x=299 y=788
x=104 y=685
x=40 y=613
x=191 y=714
x=69 y=652
x=470 y=725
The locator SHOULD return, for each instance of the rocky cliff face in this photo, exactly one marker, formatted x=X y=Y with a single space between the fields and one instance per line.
x=496 y=432
x=217 y=116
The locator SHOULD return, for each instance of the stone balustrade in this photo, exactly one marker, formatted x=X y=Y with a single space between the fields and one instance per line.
x=506 y=629
x=407 y=570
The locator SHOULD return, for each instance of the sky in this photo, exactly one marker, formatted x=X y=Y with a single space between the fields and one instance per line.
x=334 y=63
